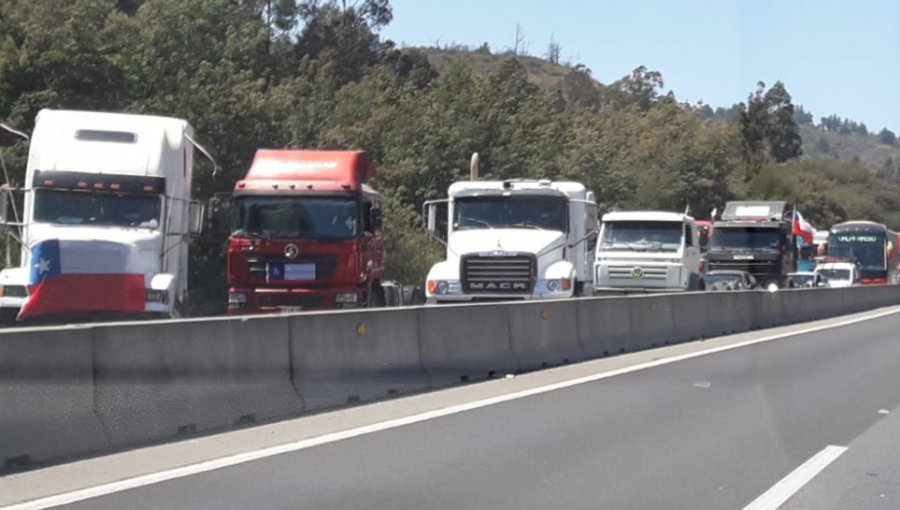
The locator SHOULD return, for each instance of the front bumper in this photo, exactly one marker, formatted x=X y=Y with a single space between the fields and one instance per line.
x=640 y=276
x=450 y=291
x=288 y=300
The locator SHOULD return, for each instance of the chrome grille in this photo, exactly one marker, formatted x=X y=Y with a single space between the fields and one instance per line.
x=513 y=274
x=627 y=273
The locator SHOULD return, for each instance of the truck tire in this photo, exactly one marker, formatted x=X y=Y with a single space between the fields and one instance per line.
x=584 y=289
x=376 y=296
x=694 y=282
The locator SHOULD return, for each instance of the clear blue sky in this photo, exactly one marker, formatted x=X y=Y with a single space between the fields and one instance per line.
x=834 y=56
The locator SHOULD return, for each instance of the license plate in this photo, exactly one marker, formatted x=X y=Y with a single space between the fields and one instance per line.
x=290 y=309
x=291 y=271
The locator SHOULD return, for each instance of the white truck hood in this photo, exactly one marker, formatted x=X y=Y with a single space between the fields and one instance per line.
x=505 y=240
x=628 y=255
x=141 y=247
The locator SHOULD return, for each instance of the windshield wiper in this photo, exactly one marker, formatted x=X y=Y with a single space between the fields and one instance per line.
x=253 y=235
x=482 y=222
x=526 y=225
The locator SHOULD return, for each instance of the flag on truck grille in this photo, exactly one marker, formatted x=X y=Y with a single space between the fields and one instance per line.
x=82 y=276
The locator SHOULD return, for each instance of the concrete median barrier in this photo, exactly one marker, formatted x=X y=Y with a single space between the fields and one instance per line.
x=544 y=334
x=71 y=391
x=733 y=312
x=465 y=342
x=342 y=358
x=604 y=326
x=47 y=396
x=160 y=380
x=691 y=317
x=651 y=321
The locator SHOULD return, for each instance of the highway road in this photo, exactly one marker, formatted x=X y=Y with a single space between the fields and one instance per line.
x=713 y=431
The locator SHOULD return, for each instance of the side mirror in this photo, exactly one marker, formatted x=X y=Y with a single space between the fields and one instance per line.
x=195 y=218
x=376 y=217
x=219 y=213
x=4 y=207
x=434 y=212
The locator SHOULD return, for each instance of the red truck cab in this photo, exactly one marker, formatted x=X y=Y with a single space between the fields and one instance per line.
x=306 y=234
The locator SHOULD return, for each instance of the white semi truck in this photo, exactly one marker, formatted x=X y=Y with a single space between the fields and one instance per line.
x=513 y=239
x=648 y=250
x=106 y=218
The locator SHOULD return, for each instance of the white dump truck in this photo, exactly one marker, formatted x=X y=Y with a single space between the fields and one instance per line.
x=648 y=250
x=513 y=239
x=105 y=219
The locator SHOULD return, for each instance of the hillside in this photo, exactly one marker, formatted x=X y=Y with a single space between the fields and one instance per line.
x=848 y=147
x=817 y=143
x=540 y=72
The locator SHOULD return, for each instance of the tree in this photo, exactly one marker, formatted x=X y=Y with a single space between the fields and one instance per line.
x=802 y=117
x=782 y=132
x=519 y=45
x=887 y=137
x=767 y=125
x=554 y=50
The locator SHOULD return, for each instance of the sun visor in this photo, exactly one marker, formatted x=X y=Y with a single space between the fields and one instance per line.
x=301 y=165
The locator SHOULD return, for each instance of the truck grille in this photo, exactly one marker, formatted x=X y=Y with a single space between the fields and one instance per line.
x=513 y=274
x=758 y=268
x=326 y=265
x=645 y=273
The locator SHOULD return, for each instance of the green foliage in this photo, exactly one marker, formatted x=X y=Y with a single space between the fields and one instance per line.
x=887 y=137
x=316 y=74
x=768 y=128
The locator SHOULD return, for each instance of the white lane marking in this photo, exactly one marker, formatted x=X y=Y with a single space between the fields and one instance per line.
x=782 y=491
x=240 y=458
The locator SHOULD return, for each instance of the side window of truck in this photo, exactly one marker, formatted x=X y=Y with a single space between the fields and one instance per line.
x=367 y=217
x=688 y=236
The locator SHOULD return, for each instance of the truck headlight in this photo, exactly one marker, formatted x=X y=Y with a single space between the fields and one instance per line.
x=559 y=285
x=14 y=291
x=237 y=300
x=442 y=287
x=346 y=298
x=157 y=296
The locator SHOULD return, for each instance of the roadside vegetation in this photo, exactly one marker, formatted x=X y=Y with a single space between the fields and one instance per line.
x=317 y=74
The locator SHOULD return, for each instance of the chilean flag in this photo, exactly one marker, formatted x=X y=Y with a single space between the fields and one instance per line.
x=802 y=228
x=82 y=276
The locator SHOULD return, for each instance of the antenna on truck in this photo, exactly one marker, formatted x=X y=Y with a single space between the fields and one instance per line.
x=204 y=152
x=473 y=167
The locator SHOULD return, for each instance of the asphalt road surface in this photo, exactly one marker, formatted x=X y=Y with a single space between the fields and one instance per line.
x=711 y=432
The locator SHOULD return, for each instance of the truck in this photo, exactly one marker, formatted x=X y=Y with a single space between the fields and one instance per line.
x=106 y=219
x=756 y=237
x=648 y=250
x=513 y=239
x=305 y=234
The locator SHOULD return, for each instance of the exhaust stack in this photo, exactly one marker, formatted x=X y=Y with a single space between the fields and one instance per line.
x=473 y=167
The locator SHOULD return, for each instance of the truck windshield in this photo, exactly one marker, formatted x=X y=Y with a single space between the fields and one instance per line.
x=75 y=207
x=744 y=238
x=298 y=217
x=540 y=213
x=642 y=235
x=866 y=247
x=835 y=274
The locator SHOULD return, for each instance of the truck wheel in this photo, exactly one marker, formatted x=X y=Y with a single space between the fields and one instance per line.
x=584 y=289
x=179 y=310
x=376 y=296
x=694 y=282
